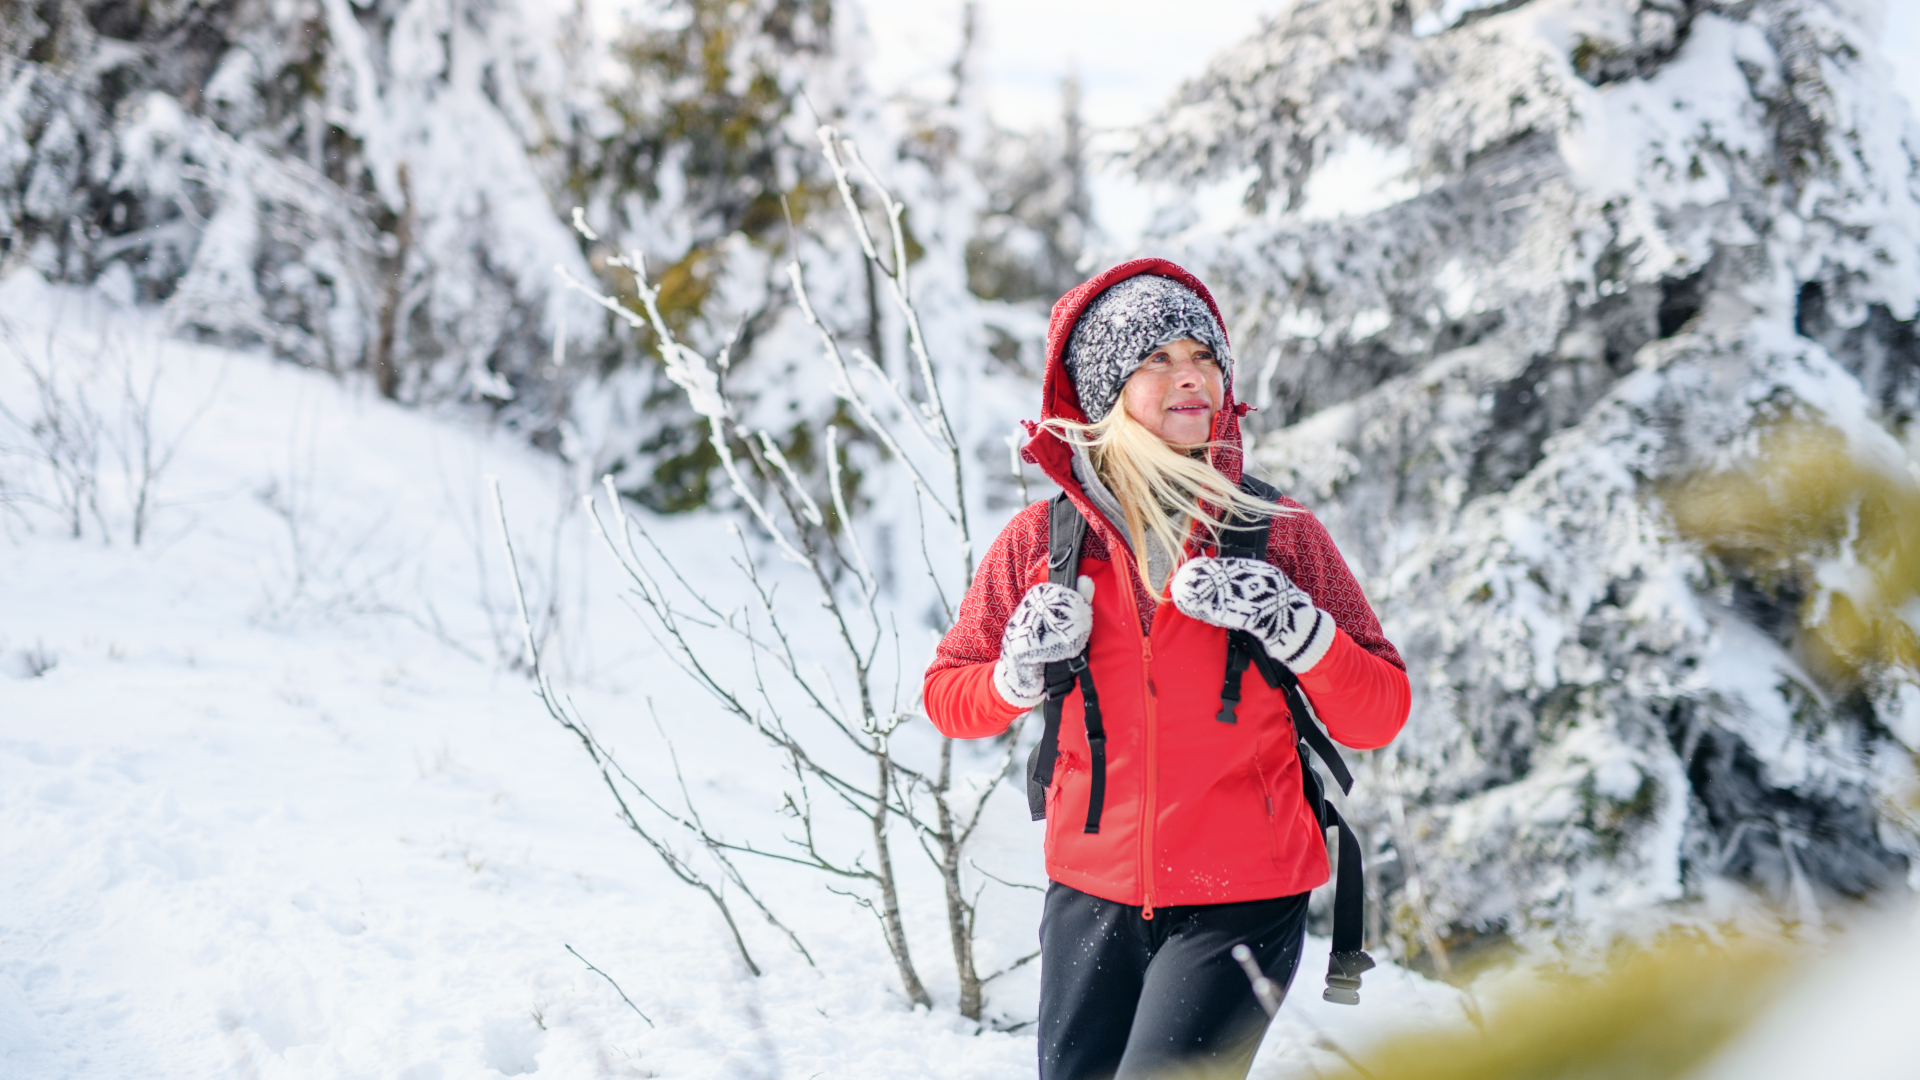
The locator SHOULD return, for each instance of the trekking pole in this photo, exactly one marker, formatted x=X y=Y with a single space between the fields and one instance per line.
x=1269 y=993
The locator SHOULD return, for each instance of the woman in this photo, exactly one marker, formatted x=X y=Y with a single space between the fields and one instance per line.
x=1202 y=838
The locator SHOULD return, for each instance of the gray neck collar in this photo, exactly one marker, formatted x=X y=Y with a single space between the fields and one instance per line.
x=1159 y=561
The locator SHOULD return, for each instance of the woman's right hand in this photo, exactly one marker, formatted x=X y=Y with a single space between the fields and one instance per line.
x=1051 y=623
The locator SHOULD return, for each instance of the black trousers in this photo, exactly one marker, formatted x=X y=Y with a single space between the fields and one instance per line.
x=1126 y=998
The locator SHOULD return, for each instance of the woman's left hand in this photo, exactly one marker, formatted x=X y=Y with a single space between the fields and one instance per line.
x=1254 y=596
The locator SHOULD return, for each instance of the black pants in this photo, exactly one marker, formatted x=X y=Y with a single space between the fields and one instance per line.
x=1126 y=998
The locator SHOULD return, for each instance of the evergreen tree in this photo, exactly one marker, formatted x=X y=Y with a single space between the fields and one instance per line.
x=1617 y=242
x=1039 y=215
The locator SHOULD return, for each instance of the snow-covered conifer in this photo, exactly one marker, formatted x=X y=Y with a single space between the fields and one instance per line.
x=1506 y=275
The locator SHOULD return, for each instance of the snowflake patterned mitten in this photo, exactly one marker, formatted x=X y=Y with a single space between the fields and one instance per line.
x=1052 y=623
x=1253 y=595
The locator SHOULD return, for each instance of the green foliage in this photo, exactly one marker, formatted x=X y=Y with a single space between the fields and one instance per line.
x=709 y=100
x=1592 y=57
x=706 y=133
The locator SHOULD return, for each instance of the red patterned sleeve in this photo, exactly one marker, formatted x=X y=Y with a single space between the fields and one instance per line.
x=1299 y=545
x=959 y=692
x=1359 y=689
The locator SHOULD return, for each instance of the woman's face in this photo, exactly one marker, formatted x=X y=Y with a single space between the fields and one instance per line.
x=1175 y=392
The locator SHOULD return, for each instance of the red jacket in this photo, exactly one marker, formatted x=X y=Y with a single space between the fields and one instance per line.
x=1197 y=812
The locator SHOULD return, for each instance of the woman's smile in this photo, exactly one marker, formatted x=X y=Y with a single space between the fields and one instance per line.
x=1175 y=392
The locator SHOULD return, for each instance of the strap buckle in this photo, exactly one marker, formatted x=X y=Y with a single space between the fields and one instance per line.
x=1343 y=977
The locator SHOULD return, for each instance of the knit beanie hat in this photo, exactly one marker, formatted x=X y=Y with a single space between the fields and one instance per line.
x=1124 y=325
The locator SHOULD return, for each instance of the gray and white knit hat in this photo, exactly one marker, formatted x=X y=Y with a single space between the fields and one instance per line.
x=1124 y=325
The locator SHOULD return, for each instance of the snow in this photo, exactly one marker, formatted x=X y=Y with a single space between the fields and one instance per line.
x=1900 y=40
x=1591 y=287
x=280 y=807
x=1848 y=1014
x=254 y=823
x=278 y=801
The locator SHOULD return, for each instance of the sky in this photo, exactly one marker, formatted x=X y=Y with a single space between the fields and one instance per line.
x=1901 y=41
x=1130 y=57
x=1130 y=54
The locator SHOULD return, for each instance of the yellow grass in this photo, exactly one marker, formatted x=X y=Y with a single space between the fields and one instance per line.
x=1809 y=515
x=1649 y=1014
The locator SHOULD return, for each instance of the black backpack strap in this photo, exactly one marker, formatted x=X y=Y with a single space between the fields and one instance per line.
x=1065 y=531
x=1247 y=539
x=1349 y=958
x=1241 y=649
x=1096 y=740
x=1243 y=537
x=1350 y=883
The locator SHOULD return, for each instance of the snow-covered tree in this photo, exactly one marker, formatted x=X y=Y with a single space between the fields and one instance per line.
x=1039 y=215
x=1604 y=247
x=387 y=185
x=353 y=186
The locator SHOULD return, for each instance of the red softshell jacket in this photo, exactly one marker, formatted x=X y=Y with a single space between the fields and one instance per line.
x=1197 y=811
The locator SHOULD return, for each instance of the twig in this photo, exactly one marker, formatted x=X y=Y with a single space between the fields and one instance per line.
x=847 y=392
x=849 y=705
x=691 y=372
x=569 y=719
x=1011 y=968
x=1269 y=993
x=610 y=982
x=991 y=876
x=1018 y=466
x=867 y=581
x=935 y=408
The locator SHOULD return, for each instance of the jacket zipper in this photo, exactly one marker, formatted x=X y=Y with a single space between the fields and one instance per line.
x=1151 y=772
x=1152 y=769
x=1152 y=776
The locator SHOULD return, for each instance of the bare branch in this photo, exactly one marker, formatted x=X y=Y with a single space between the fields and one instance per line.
x=610 y=982
x=990 y=876
x=1011 y=968
x=569 y=720
x=779 y=459
x=843 y=387
x=691 y=372
x=867 y=580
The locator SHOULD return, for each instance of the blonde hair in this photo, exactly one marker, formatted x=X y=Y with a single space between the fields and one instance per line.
x=1163 y=491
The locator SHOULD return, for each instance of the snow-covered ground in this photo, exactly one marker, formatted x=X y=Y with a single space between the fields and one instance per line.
x=279 y=809
x=279 y=806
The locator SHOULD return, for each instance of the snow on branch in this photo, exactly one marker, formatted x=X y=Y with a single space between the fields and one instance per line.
x=688 y=370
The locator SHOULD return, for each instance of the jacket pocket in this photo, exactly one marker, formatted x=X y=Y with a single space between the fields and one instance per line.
x=1063 y=767
x=1266 y=796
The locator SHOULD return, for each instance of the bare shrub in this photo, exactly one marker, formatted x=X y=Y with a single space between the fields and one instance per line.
x=832 y=723
x=63 y=433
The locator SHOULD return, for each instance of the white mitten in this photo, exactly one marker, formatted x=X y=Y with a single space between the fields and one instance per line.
x=1052 y=623
x=1253 y=595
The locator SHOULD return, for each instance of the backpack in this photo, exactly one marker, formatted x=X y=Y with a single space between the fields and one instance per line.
x=1244 y=538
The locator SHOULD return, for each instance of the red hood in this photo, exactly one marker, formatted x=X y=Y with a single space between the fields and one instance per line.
x=1059 y=399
